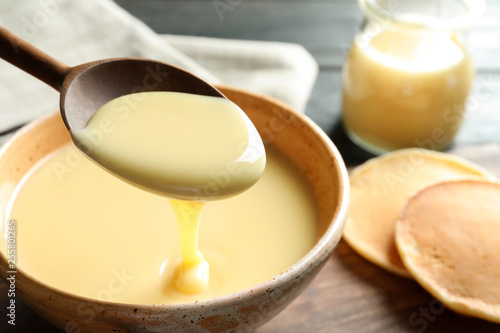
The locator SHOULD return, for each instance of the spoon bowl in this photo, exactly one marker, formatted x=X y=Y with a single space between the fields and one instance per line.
x=84 y=89
x=89 y=86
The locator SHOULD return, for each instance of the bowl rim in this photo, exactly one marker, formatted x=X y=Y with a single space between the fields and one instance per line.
x=323 y=246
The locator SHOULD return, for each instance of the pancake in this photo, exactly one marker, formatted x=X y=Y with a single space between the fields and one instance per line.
x=380 y=188
x=448 y=236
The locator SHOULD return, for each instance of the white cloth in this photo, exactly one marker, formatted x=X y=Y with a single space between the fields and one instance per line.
x=70 y=31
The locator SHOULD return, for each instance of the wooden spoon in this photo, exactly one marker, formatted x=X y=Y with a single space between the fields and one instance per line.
x=85 y=88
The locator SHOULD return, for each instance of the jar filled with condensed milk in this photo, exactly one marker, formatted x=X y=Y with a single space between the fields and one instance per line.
x=408 y=74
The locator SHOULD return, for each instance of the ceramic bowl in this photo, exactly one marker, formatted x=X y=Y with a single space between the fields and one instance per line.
x=293 y=134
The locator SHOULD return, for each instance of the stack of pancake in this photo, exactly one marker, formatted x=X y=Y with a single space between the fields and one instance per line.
x=432 y=217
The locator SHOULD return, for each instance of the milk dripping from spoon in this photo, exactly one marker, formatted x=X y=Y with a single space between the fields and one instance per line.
x=93 y=87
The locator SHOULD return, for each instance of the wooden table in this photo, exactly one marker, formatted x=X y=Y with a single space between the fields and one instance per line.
x=349 y=294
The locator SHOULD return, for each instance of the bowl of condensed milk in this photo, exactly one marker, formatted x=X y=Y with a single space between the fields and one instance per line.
x=92 y=253
x=408 y=74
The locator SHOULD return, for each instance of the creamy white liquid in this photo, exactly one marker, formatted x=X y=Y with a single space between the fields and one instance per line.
x=183 y=146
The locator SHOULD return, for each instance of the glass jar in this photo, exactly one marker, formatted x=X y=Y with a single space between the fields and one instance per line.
x=408 y=74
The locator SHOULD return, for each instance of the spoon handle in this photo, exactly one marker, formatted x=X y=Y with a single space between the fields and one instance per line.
x=22 y=54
